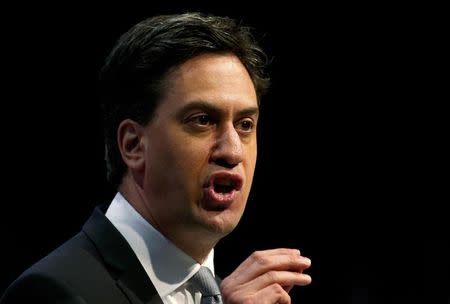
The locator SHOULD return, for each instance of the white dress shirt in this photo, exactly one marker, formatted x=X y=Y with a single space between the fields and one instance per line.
x=167 y=266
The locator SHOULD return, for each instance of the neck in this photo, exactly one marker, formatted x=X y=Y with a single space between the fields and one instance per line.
x=194 y=242
x=202 y=246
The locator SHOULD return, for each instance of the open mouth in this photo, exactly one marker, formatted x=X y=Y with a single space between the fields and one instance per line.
x=225 y=182
x=224 y=185
x=222 y=188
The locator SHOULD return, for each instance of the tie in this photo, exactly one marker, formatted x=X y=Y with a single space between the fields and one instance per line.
x=207 y=285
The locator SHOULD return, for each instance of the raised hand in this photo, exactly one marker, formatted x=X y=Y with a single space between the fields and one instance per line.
x=266 y=277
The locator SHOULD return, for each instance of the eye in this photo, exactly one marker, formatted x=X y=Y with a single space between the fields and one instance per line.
x=246 y=125
x=201 y=120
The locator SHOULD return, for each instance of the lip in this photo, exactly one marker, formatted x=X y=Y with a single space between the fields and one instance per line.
x=235 y=178
x=218 y=201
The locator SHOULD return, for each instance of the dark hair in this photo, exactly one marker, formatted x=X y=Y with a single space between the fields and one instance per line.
x=132 y=78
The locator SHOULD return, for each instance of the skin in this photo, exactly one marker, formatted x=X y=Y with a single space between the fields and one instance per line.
x=266 y=277
x=204 y=125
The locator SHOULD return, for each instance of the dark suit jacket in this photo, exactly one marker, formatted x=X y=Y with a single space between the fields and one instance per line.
x=95 y=266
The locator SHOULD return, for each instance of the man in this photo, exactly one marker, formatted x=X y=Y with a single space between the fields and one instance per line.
x=181 y=97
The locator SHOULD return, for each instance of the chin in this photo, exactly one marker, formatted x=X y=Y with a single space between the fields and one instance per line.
x=222 y=223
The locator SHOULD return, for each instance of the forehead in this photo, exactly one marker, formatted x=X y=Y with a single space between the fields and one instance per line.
x=221 y=79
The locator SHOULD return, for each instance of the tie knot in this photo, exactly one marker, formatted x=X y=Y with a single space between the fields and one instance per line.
x=205 y=282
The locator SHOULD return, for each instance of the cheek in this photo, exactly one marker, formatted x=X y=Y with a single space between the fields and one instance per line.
x=192 y=156
x=187 y=167
x=250 y=164
x=251 y=155
x=174 y=148
x=185 y=156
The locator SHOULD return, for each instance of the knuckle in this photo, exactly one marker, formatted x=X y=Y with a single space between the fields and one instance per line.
x=256 y=255
x=285 y=298
x=259 y=258
x=224 y=283
x=278 y=289
x=272 y=276
x=282 y=295
x=226 y=286
x=294 y=260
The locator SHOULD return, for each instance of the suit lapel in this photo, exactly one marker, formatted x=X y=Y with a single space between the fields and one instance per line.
x=124 y=266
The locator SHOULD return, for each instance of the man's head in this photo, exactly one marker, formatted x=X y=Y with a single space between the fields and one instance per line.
x=182 y=100
x=133 y=79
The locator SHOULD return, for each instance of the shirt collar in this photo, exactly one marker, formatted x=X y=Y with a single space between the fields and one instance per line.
x=167 y=266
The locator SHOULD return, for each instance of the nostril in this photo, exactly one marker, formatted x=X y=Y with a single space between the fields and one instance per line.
x=224 y=163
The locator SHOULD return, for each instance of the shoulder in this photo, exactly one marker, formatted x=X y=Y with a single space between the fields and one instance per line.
x=33 y=287
x=72 y=273
x=75 y=258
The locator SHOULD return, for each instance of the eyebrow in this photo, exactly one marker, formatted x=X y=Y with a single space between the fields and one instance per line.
x=210 y=107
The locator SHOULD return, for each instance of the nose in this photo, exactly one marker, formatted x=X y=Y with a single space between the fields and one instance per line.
x=228 y=150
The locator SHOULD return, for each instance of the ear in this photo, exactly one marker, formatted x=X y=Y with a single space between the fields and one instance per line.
x=129 y=139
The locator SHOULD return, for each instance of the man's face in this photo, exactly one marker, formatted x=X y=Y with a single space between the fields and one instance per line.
x=201 y=148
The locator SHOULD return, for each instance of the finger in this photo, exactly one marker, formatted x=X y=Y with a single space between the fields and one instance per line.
x=279 y=251
x=288 y=288
x=260 y=263
x=262 y=257
x=272 y=294
x=283 y=278
x=270 y=252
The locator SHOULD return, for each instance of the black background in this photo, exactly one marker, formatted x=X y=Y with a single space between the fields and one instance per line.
x=352 y=162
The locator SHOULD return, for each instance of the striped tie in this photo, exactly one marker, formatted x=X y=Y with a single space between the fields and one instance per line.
x=207 y=285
